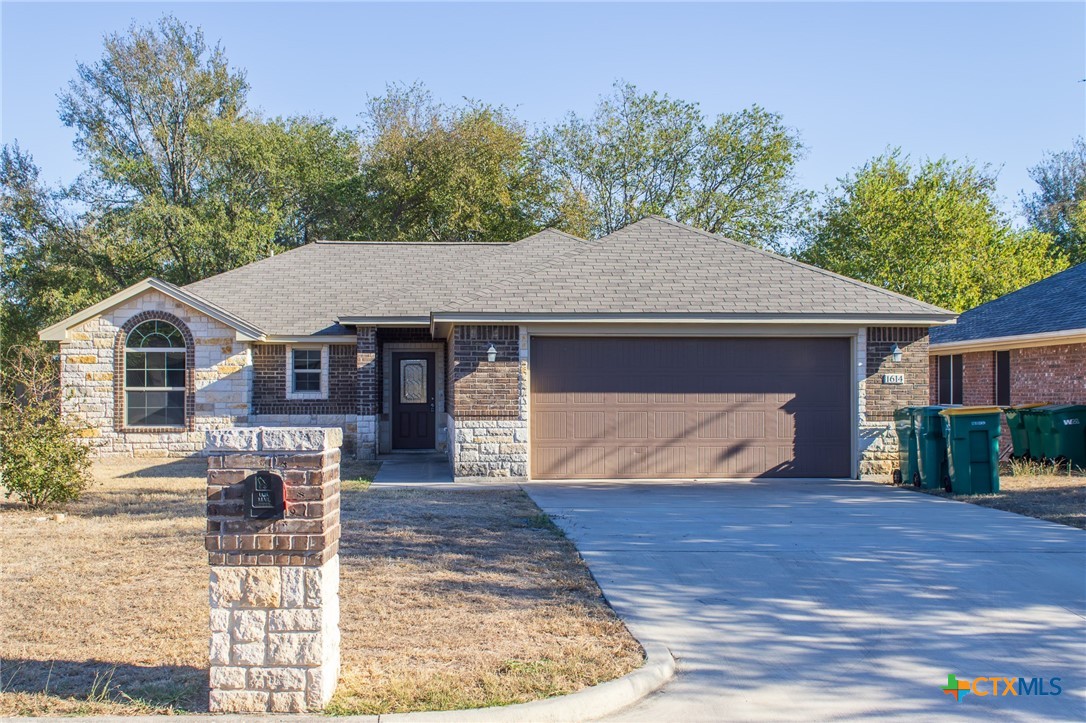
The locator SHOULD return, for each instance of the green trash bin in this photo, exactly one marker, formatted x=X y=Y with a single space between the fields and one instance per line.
x=906 y=447
x=972 y=441
x=1031 y=420
x=1016 y=425
x=931 y=464
x=1063 y=438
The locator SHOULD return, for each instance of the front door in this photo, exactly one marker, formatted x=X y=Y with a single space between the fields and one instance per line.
x=413 y=400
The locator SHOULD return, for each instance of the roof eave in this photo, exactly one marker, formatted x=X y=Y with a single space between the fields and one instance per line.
x=243 y=329
x=383 y=320
x=1017 y=341
x=925 y=319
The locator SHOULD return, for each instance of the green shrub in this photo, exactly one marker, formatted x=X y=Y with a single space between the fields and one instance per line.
x=42 y=462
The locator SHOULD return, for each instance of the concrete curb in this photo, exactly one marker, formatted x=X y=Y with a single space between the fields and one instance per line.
x=584 y=705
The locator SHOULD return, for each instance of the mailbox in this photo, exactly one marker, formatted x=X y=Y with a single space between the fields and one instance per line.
x=264 y=496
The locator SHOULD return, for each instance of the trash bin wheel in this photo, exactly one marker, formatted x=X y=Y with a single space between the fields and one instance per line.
x=916 y=479
x=946 y=483
x=897 y=476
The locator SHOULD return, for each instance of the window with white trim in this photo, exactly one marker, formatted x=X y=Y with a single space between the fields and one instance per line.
x=307 y=373
x=154 y=375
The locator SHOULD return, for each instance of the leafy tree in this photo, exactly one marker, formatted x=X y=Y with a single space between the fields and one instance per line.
x=180 y=175
x=53 y=264
x=646 y=153
x=1058 y=206
x=42 y=461
x=932 y=232
x=440 y=173
x=181 y=181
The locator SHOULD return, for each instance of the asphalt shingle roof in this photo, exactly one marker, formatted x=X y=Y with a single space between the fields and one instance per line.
x=303 y=291
x=658 y=266
x=1057 y=303
x=654 y=266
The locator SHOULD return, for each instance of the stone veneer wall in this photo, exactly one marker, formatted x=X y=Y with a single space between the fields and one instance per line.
x=220 y=379
x=878 y=442
x=274 y=584
x=489 y=401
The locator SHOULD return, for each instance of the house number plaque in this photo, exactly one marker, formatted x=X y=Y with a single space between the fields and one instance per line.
x=893 y=378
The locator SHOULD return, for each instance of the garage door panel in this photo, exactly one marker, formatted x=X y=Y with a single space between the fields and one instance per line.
x=550 y=425
x=632 y=425
x=766 y=407
x=714 y=425
x=589 y=425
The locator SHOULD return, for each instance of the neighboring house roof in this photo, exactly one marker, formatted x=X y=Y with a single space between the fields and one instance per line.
x=1051 y=309
x=654 y=268
x=244 y=329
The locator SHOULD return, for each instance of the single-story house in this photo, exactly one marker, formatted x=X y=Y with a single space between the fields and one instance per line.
x=658 y=351
x=1028 y=346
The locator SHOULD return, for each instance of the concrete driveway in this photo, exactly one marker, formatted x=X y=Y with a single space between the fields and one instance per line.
x=817 y=600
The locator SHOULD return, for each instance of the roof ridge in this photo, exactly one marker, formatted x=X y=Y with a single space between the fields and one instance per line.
x=1028 y=287
x=789 y=260
x=586 y=246
x=350 y=242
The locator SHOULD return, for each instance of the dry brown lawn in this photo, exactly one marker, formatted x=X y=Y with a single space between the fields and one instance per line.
x=1054 y=497
x=450 y=599
x=1035 y=490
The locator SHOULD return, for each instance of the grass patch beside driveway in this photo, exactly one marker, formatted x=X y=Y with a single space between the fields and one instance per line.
x=1029 y=488
x=448 y=599
x=1036 y=492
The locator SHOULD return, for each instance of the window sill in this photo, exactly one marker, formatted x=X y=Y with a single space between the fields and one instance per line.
x=146 y=430
x=306 y=396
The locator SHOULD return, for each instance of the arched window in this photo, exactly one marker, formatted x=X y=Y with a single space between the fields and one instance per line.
x=154 y=375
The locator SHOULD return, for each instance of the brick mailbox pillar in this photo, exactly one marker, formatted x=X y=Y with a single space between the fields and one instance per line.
x=273 y=541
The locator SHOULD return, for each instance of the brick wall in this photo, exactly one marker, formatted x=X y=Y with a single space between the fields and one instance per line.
x=1049 y=374
x=978 y=378
x=1038 y=374
x=270 y=382
x=483 y=389
x=366 y=364
x=882 y=399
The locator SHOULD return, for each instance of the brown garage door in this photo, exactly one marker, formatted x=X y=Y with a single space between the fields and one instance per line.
x=675 y=408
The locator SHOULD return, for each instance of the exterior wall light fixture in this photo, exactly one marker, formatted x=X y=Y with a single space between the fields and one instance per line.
x=895 y=353
x=492 y=354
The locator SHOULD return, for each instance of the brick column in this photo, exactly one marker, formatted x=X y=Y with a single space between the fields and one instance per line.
x=274 y=588
x=366 y=363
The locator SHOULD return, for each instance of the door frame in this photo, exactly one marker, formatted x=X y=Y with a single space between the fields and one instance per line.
x=384 y=419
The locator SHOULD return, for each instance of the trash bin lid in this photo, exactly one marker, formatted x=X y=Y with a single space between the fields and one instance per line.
x=970 y=410
x=1034 y=405
x=930 y=411
x=1057 y=408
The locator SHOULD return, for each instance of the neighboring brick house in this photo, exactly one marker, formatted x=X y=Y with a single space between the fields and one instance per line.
x=1028 y=346
x=659 y=351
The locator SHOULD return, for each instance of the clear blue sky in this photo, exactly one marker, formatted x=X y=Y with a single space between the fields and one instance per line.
x=996 y=83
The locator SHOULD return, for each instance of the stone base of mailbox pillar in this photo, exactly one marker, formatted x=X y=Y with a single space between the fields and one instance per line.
x=274 y=638
x=274 y=588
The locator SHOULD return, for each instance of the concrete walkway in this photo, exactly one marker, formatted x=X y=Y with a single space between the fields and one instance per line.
x=818 y=600
x=414 y=469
